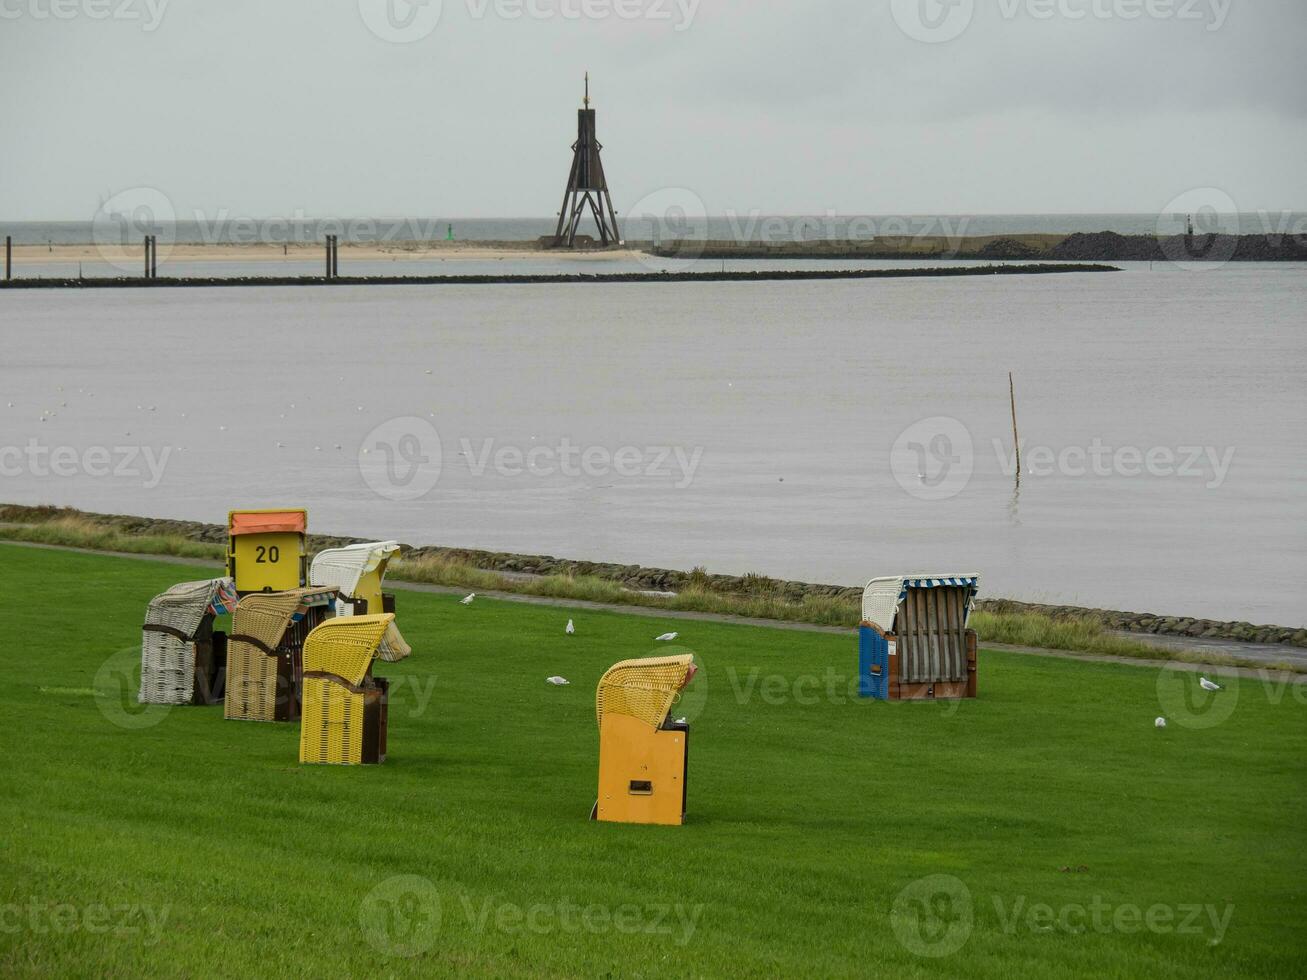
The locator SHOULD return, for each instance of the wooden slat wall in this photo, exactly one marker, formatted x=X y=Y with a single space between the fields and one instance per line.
x=955 y=600
x=912 y=653
x=932 y=637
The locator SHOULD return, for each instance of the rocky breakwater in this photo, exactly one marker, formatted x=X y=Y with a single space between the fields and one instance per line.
x=1108 y=246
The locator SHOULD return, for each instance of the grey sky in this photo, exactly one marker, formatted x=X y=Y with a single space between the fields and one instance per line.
x=266 y=108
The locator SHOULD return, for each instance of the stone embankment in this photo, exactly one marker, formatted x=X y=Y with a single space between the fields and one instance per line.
x=645 y=579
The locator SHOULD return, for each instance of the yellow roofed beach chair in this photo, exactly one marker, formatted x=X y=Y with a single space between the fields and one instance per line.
x=266 y=549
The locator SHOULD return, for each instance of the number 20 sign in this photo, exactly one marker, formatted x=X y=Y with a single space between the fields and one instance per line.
x=265 y=550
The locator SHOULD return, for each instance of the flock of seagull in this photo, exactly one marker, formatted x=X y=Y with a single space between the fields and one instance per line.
x=1206 y=684
x=570 y=630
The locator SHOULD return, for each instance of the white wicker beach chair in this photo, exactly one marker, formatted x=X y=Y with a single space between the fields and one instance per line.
x=180 y=653
x=358 y=571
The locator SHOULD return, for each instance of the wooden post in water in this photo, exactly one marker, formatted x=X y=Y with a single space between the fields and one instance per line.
x=1016 y=439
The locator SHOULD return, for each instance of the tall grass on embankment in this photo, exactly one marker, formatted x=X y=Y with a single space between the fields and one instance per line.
x=81 y=532
x=759 y=601
x=696 y=598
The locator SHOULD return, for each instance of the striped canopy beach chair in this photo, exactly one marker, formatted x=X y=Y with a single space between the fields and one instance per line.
x=358 y=571
x=264 y=665
x=345 y=707
x=914 y=643
x=181 y=654
x=643 y=755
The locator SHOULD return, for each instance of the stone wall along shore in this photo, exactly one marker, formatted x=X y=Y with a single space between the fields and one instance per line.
x=646 y=579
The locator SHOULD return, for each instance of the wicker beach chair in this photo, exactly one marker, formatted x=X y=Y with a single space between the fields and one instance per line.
x=643 y=755
x=345 y=713
x=913 y=643
x=264 y=665
x=181 y=654
x=358 y=572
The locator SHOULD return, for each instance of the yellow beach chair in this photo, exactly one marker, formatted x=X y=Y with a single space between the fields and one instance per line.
x=345 y=711
x=643 y=755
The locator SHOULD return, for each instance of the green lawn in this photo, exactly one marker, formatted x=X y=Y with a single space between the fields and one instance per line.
x=177 y=843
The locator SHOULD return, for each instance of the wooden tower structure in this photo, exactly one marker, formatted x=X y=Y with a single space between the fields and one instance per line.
x=587 y=188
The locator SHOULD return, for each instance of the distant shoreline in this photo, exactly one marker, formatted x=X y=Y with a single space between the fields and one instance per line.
x=1077 y=247
x=775 y=275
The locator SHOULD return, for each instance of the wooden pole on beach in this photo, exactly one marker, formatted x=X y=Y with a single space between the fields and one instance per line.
x=335 y=256
x=331 y=239
x=154 y=256
x=1016 y=439
x=9 y=256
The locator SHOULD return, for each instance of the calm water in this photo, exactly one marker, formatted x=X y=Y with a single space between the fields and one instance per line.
x=793 y=393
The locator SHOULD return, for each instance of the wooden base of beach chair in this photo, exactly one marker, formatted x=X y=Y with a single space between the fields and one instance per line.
x=344 y=724
x=210 y=668
x=642 y=772
x=881 y=670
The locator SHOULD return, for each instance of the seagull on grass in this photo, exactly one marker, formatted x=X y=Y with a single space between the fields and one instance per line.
x=1210 y=685
x=571 y=627
x=667 y=638
x=468 y=600
x=1160 y=723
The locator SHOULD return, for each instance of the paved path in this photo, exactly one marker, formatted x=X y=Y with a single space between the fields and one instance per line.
x=1265 y=652
x=1285 y=653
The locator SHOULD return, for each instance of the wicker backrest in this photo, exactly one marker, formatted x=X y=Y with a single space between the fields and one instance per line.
x=265 y=616
x=643 y=689
x=184 y=606
x=342 y=568
x=346 y=646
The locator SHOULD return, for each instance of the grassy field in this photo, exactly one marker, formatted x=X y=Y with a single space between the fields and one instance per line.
x=1047 y=829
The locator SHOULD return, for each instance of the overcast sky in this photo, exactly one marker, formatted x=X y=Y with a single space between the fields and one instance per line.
x=372 y=107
